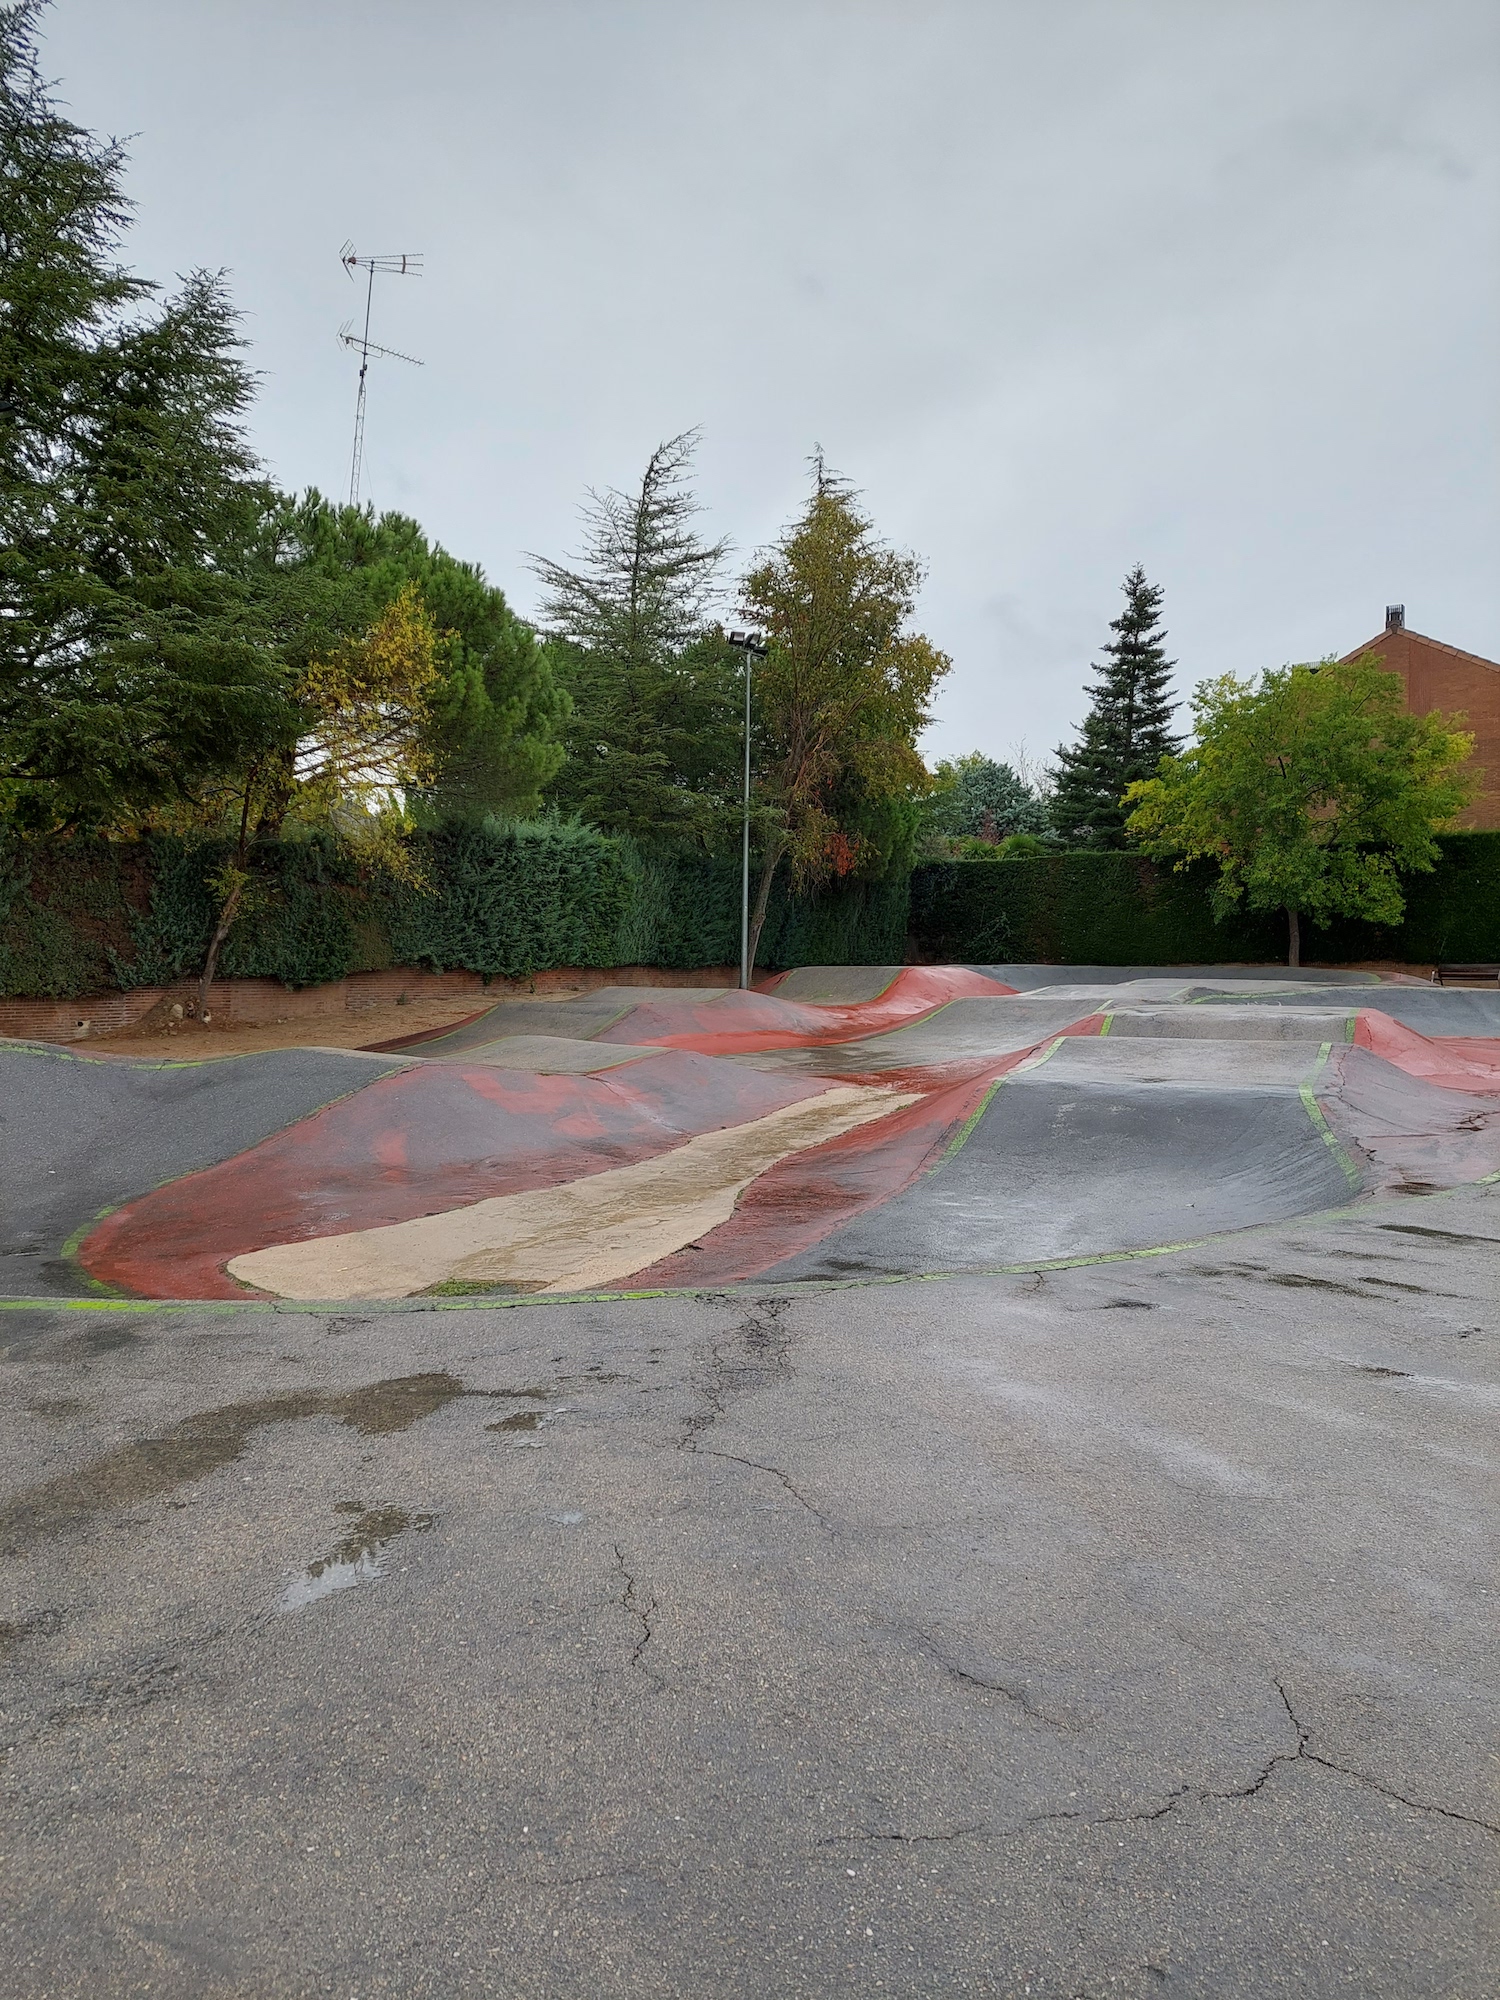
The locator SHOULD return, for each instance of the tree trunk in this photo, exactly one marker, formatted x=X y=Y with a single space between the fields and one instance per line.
x=1293 y=939
x=762 y=902
x=232 y=901
x=221 y=931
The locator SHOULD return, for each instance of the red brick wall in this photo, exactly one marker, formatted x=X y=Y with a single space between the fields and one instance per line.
x=1441 y=677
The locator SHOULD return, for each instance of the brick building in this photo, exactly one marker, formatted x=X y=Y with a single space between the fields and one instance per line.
x=1439 y=676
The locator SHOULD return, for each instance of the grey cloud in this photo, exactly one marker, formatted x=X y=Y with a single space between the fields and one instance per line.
x=1059 y=286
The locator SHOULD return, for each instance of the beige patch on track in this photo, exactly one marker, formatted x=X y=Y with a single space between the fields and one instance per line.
x=573 y=1237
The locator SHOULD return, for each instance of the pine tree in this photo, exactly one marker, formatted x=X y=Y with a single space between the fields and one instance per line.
x=134 y=655
x=1128 y=729
x=654 y=738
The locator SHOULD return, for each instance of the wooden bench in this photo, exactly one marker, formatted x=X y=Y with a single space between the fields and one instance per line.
x=1444 y=975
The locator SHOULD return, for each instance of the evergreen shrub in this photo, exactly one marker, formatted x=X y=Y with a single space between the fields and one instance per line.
x=1078 y=908
x=502 y=900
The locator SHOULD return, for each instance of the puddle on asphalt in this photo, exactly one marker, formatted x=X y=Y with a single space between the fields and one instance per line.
x=519 y=1428
x=361 y=1556
x=203 y=1443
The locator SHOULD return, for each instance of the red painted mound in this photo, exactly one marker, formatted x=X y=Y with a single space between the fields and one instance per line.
x=1453 y=1062
x=428 y=1139
x=741 y=1023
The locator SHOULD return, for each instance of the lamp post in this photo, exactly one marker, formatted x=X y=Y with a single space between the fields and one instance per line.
x=753 y=646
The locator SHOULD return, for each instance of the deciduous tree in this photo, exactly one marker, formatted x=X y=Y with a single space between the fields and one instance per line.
x=1313 y=791
x=975 y=798
x=841 y=696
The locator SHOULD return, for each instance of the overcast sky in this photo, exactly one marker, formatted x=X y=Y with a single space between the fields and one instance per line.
x=1211 y=284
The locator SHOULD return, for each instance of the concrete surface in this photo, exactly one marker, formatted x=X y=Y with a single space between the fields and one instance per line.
x=1113 y=1632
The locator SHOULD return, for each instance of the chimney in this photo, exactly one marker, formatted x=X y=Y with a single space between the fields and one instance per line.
x=1395 y=618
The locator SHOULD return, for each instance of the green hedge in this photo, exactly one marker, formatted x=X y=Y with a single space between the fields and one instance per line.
x=1121 y=909
x=506 y=902
x=501 y=901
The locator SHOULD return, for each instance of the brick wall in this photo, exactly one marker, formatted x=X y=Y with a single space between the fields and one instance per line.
x=1441 y=677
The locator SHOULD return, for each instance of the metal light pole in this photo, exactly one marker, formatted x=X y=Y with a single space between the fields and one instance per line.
x=752 y=646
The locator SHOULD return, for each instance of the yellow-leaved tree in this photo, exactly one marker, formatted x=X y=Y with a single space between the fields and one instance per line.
x=362 y=743
x=841 y=696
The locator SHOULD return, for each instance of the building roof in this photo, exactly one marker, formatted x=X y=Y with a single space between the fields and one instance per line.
x=1405 y=632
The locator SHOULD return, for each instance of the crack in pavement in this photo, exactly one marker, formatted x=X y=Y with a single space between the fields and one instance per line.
x=638 y=1606
x=763 y=1357
x=1017 y=1695
x=757 y=1465
x=1186 y=1795
x=911 y=1839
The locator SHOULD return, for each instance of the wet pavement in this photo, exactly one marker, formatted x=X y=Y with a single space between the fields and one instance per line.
x=1114 y=1631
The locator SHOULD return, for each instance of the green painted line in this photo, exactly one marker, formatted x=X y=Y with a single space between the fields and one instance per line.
x=1350 y=1025
x=966 y=1131
x=48 y=1053
x=754 y=1287
x=1109 y=1016
x=1314 y=1111
x=961 y=1137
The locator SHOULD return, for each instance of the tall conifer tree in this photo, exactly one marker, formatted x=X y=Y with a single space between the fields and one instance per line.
x=1128 y=729
x=654 y=742
x=134 y=659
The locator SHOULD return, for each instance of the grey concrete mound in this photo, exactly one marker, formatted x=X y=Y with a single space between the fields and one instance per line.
x=1029 y=977
x=1233 y=1023
x=1069 y=1160
x=579 y=1019
x=1431 y=1010
x=836 y=985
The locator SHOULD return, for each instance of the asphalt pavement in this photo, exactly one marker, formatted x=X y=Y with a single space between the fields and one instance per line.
x=1117 y=1631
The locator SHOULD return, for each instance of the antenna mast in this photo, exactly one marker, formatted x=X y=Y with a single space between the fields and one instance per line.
x=401 y=264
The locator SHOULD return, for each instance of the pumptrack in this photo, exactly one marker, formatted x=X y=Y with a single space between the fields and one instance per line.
x=835 y=1124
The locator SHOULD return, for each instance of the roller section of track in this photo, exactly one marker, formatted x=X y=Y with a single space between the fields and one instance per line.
x=1060 y=1166
x=436 y=1136
x=721 y=1020
x=1409 y=1133
x=1453 y=1062
x=1431 y=1010
x=746 y=1022
x=968 y=1031
x=79 y=1134
x=1031 y=978
x=1100 y=1111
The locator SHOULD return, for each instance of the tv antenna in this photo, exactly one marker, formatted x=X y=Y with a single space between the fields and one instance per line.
x=401 y=264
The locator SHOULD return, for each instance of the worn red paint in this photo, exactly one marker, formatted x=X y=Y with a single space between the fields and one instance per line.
x=736 y=1023
x=430 y=1138
x=1453 y=1062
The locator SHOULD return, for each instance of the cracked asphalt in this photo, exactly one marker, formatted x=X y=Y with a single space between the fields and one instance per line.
x=1117 y=1631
